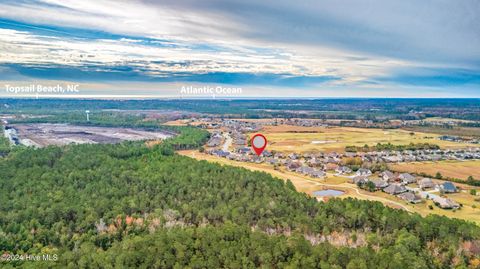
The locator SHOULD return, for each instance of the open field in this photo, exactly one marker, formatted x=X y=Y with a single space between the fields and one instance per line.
x=453 y=169
x=288 y=138
x=446 y=120
x=62 y=134
x=470 y=210
x=456 y=131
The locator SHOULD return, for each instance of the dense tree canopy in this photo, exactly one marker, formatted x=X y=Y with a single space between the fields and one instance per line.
x=4 y=143
x=128 y=205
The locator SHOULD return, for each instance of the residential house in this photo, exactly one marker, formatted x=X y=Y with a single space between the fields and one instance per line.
x=244 y=150
x=395 y=189
x=359 y=180
x=343 y=170
x=220 y=153
x=448 y=187
x=426 y=183
x=445 y=203
x=293 y=156
x=304 y=170
x=379 y=183
x=410 y=197
x=407 y=178
x=272 y=161
x=314 y=162
x=267 y=153
x=317 y=174
x=363 y=172
x=388 y=176
x=331 y=166
x=292 y=166
x=214 y=142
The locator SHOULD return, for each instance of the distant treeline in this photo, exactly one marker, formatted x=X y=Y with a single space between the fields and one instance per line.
x=368 y=109
x=391 y=147
x=4 y=143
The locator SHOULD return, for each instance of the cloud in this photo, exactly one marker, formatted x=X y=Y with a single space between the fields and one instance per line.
x=378 y=44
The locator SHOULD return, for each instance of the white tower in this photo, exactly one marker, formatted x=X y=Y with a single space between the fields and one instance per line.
x=88 y=114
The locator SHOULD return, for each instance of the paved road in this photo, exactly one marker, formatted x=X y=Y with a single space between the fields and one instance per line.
x=228 y=141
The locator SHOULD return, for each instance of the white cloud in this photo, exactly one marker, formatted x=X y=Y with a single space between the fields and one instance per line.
x=353 y=40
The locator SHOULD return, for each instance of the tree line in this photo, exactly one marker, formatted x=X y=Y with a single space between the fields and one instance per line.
x=392 y=147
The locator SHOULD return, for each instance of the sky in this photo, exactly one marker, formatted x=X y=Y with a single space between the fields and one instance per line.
x=268 y=48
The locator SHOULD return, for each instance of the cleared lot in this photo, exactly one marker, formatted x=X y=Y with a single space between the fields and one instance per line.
x=453 y=169
x=287 y=138
x=44 y=134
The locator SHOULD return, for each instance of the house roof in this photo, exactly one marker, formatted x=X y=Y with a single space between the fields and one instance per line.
x=426 y=182
x=448 y=186
x=395 y=189
x=388 y=174
x=410 y=196
x=406 y=176
x=379 y=183
x=359 y=179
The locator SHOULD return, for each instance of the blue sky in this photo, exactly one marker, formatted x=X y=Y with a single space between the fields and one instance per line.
x=269 y=48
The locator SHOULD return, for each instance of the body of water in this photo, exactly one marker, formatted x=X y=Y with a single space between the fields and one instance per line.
x=325 y=193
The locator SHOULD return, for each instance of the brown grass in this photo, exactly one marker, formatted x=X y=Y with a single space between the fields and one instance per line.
x=287 y=138
x=452 y=169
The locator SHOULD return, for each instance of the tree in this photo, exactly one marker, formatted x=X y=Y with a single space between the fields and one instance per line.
x=370 y=186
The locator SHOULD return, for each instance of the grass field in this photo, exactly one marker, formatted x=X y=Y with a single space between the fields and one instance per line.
x=457 y=131
x=453 y=169
x=287 y=138
x=439 y=119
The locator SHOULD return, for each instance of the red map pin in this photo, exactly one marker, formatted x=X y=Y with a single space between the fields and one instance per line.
x=259 y=143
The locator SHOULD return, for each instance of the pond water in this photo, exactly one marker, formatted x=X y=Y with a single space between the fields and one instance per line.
x=325 y=193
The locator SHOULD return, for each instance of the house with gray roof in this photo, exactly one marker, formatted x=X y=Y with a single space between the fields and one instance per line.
x=407 y=178
x=395 y=189
x=410 y=197
x=388 y=176
x=304 y=170
x=426 y=183
x=363 y=172
x=317 y=174
x=379 y=183
x=343 y=170
x=359 y=180
x=445 y=203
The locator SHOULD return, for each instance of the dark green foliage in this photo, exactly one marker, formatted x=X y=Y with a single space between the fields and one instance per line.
x=348 y=109
x=53 y=200
x=391 y=147
x=4 y=143
x=234 y=246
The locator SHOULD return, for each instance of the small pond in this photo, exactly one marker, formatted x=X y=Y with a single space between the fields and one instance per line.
x=327 y=193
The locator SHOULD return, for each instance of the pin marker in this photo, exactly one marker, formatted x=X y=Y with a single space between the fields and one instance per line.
x=259 y=143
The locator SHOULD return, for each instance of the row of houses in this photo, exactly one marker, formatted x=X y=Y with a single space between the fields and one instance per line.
x=418 y=155
x=459 y=139
x=397 y=185
x=318 y=159
x=215 y=140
